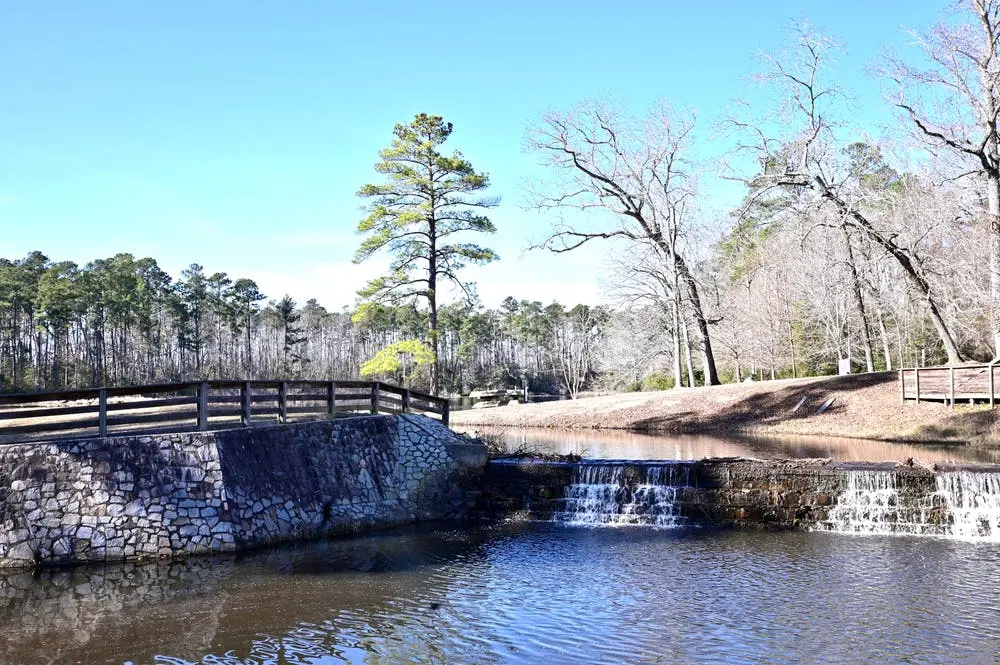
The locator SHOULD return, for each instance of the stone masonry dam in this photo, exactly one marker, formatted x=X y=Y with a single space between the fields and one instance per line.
x=165 y=495
x=817 y=494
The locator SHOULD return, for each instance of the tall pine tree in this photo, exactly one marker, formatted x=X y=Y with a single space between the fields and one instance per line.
x=426 y=200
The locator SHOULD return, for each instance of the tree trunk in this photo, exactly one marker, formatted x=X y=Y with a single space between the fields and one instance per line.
x=993 y=213
x=15 y=348
x=899 y=346
x=902 y=257
x=432 y=318
x=687 y=352
x=56 y=364
x=249 y=358
x=676 y=341
x=711 y=374
x=859 y=301
x=791 y=347
x=884 y=334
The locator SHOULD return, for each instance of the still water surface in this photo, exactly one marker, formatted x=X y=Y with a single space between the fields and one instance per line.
x=536 y=593
x=621 y=444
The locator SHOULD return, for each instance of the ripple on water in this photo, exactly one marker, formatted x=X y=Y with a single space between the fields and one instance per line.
x=526 y=594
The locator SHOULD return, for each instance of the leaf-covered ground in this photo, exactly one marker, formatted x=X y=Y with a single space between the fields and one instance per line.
x=863 y=406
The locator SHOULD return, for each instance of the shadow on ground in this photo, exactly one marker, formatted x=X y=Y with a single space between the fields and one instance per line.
x=865 y=404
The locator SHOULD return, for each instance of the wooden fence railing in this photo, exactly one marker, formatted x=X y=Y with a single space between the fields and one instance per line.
x=948 y=384
x=198 y=406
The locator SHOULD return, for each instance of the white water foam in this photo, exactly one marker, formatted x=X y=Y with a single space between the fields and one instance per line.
x=870 y=504
x=972 y=500
x=965 y=504
x=622 y=495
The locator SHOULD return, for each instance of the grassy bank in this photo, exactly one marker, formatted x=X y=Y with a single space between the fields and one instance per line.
x=863 y=406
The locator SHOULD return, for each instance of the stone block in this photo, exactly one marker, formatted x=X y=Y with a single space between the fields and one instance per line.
x=20 y=552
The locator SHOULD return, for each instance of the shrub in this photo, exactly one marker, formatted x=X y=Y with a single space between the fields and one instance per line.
x=658 y=381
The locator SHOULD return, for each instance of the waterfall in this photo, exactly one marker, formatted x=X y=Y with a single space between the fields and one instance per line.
x=624 y=494
x=963 y=504
x=972 y=501
x=870 y=504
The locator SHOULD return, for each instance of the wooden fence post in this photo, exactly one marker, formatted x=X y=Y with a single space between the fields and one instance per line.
x=445 y=411
x=102 y=413
x=331 y=398
x=951 y=385
x=203 y=406
x=916 y=379
x=902 y=386
x=375 y=397
x=283 y=402
x=993 y=398
x=406 y=400
x=245 y=404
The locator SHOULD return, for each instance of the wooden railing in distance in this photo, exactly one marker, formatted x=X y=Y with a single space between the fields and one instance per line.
x=199 y=406
x=948 y=384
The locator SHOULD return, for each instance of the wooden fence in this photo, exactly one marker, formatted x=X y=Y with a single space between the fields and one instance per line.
x=948 y=384
x=199 y=406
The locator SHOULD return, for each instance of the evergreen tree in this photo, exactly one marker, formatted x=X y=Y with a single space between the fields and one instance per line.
x=244 y=297
x=194 y=294
x=291 y=333
x=426 y=200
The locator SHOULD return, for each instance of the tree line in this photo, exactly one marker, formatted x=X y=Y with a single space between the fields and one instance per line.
x=123 y=320
x=839 y=253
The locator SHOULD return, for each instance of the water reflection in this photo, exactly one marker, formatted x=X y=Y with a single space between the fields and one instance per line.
x=622 y=444
x=256 y=606
x=524 y=594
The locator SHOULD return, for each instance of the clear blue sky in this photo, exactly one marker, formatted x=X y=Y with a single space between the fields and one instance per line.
x=235 y=134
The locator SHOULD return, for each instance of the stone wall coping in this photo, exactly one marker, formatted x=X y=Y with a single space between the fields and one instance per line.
x=806 y=463
x=968 y=466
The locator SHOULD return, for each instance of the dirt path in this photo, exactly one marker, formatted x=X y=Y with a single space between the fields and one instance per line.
x=863 y=406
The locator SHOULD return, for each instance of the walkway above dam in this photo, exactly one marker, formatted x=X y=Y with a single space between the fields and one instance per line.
x=200 y=406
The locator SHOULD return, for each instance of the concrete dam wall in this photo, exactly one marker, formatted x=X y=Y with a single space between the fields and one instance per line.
x=943 y=500
x=165 y=495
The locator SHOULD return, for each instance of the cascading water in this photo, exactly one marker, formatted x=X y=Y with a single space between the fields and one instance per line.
x=624 y=494
x=870 y=504
x=963 y=504
x=972 y=500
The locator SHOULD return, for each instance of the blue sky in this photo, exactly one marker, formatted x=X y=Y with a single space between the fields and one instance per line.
x=235 y=134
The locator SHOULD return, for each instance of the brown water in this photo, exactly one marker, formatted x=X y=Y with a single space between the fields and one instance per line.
x=620 y=444
x=536 y=593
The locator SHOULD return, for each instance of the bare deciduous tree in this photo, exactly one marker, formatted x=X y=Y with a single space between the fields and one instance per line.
x=954 y=106
x=636 y=170
x=805 y=159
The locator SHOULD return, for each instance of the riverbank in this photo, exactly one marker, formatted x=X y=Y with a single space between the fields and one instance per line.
x=864 y=406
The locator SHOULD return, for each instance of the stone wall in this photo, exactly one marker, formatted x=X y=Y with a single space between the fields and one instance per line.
x=718 y=492
x=171 y=494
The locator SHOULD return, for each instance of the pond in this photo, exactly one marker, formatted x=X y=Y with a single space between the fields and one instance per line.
x=624 y=444
x=528 y=593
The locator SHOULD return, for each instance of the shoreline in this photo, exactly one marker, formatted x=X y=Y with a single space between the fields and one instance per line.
x=750 y=434
x=863 y=406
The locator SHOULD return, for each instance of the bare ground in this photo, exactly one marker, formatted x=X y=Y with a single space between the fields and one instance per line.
x=864 y=406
